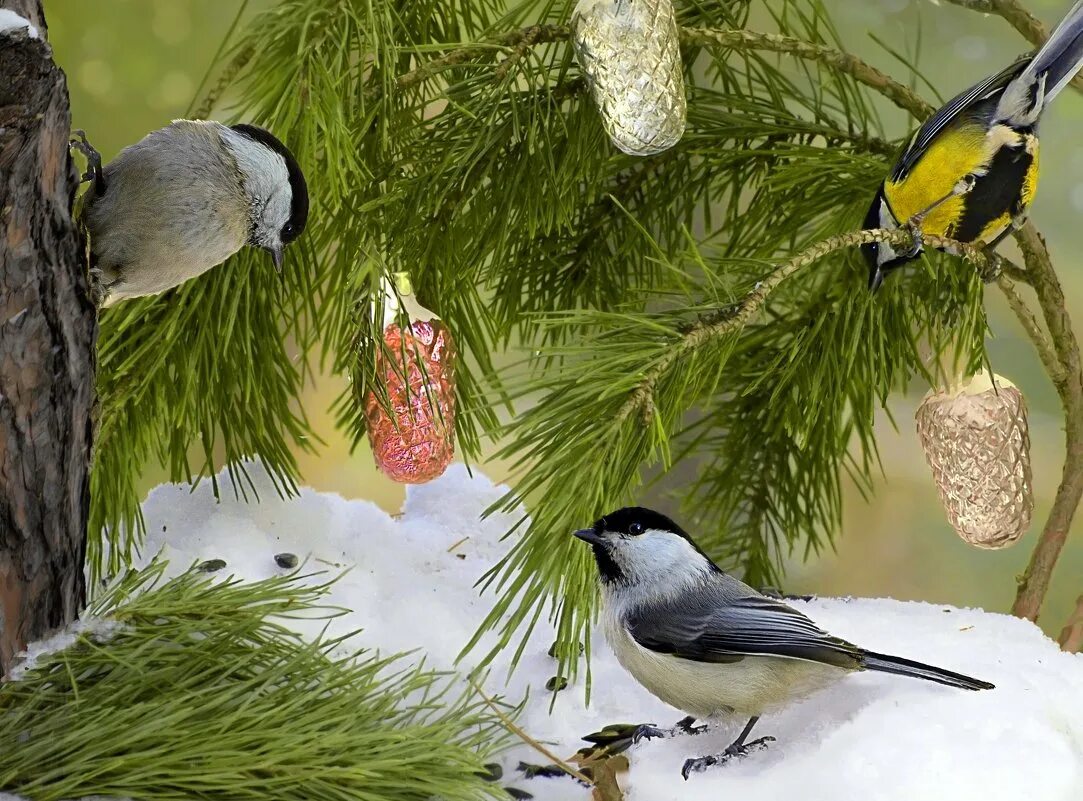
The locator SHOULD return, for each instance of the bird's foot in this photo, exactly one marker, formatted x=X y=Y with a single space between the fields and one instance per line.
x=620 y=737
x=698 y=764
x=993 y=267
x=93 y=157
x=99 y=289
x=913 y=227
x=647 y=732
x=685 y=726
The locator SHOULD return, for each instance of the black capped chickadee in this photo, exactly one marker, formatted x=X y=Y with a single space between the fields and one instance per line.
x=709 y=644
x=184 y=199
x=971 y=170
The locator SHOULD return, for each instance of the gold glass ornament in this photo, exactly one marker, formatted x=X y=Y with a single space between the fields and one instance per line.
x=977 y=442
x=630 y=53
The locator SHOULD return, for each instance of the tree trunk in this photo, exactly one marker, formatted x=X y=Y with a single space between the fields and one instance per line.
x=48 y=329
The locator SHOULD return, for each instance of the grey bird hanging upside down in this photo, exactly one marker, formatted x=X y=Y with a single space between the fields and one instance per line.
x=184 y=199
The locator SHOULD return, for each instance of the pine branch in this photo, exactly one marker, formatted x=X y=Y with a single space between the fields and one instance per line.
x=1013 y=12
x=225 y=80
x=1068 y=381
x=228 y=76
x=725 y=321
x=208 y=673
x=897 y=93
x=1042 y=344
x=519 y=40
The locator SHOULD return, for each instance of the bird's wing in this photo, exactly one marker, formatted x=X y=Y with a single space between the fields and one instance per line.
x=715 y=628
x=951 y=111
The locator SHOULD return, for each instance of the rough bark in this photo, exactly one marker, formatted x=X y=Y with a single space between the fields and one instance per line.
x=47 y=336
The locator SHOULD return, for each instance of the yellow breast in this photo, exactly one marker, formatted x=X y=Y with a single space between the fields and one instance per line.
x=952 y=155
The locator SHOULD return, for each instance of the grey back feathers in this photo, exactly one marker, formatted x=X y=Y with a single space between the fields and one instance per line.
x=725 y=621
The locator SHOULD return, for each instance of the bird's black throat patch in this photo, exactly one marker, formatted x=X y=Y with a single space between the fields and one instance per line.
x=298 y=187
x=608 y=569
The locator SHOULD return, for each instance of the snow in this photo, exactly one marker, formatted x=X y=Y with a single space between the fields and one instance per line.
x=10 y=21
x=100 y=630
x=870 y=736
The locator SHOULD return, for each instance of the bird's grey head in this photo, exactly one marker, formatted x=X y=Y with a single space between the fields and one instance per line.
x=275 y=186
x=637 y=547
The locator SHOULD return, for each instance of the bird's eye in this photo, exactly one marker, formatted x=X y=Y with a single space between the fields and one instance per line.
x=287 y=230
x=635 y=529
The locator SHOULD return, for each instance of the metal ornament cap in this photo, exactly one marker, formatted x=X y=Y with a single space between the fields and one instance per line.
x=630 y=53
x=976 y=440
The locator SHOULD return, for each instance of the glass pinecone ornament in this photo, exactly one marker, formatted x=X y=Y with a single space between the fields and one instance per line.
x=977 y=442
x=415 y=443
x=630 y=53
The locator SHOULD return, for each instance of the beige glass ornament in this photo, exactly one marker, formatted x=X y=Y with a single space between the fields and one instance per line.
x=630 y=52
x=977 y=442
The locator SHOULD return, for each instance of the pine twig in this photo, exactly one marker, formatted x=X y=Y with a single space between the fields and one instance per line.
x=1012 y=12
x=897 y=93
x=510 y=725
x=733 y=318
x=229 y=74
x=1071 y=636
x=1032 y=327
x=521 y=40
x=1068 y=381
x=737 y=38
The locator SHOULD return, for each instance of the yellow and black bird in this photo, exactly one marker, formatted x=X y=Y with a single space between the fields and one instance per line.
x=971 y=170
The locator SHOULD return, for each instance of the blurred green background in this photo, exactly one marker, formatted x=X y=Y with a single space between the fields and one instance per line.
x=133 y=65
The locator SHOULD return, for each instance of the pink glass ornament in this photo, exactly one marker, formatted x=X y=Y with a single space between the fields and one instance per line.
x=415 y=443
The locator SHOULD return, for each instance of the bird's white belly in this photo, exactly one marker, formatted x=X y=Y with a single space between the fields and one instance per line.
x=752 y=686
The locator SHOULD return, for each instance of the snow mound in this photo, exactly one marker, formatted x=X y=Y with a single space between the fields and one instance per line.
x=10 y=21
x=872 y=736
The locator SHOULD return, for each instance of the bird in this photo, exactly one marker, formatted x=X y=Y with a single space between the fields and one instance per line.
x=184 y=199
x=710 y=645
x=970 y=171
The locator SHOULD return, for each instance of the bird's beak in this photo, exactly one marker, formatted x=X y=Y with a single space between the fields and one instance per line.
x=876 y=278
x=589 y=536
x=276 y=258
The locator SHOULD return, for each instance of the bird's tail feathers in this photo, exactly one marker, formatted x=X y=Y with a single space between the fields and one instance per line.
x=1061 y=57
x=917 y=670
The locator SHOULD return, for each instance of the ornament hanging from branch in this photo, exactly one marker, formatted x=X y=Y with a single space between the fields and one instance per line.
x=412 y=432
x=977 y=442
x=630 y=52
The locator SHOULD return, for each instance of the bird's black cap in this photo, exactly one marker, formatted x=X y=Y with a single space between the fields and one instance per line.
x=621 y=522
x=298 y=188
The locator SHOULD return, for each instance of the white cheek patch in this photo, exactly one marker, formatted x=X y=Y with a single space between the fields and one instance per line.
x=886 y=250
x=659 y=559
